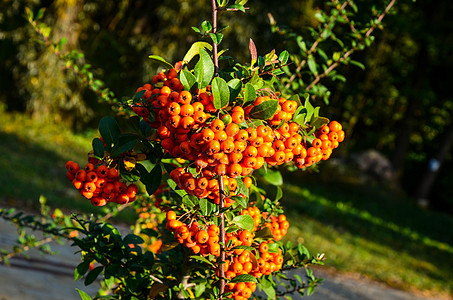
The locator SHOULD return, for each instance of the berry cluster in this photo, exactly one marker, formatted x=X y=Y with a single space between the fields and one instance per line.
x=100 y=184
x=204 y=240
x=206 y=185
x=326 y=139
x=230 y=144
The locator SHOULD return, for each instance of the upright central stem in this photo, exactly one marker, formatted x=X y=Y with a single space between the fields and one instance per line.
x=221 y=184
x=222 y=238
x=214 y=45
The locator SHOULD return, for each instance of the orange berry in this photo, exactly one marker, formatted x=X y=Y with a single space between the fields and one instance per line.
x=264 y=247
x=185 y=97
x=217 y=125
x=237 y=117
x=187 y=110
x=235 y=170
x=202 y=236
x=165 y=90
x=232 y=129
x=248 y=181
x=335 y=126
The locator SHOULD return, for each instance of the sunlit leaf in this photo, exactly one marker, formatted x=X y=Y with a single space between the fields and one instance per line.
x=161 y=61
x=195 y=50
x=204 y=69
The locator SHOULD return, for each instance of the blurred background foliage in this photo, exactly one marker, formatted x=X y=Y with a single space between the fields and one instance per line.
x=400 y=104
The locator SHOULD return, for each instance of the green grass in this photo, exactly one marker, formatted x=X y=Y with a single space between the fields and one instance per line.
x=363 y=229
x=32 y=162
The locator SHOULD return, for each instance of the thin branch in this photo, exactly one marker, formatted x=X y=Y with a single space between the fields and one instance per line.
x=214 y=45
x=310 y=51
x=18 y=251
x=222 y=237
x=352 y=50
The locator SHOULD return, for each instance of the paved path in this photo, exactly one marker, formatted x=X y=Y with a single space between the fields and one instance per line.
x=45 y=277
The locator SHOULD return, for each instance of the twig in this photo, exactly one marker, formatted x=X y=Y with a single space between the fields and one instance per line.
x=222 y=237
x=352 y=50
x=310 y=51
x=3 y=258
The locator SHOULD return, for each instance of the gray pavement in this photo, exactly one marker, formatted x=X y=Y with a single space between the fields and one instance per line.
x=46 y=277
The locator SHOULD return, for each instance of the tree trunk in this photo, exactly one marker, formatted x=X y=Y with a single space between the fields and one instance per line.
x=434 y=165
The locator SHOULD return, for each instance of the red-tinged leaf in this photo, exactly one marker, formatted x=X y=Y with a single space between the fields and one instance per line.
x=253 y=52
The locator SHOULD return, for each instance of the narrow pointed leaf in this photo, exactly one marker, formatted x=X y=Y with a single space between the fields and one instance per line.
x=161 y=61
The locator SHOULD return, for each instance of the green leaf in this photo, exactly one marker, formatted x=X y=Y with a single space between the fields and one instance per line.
x=202 y=259
x=274 y=247
x=189 y=200
x=132 y=239
x=264 y=110
x=152 y=180
x=98 y=148
x=237 y=6
x=139 y=95
x=125 y=143
x=205 y=207
x=216 y=37
x=358 y=64
x=243 y=278
x=257 y=81
x=267 y=287
x=318 y=122
x=145 y=128
x=248 y=248
x=241 y=201
x=206 y=25
x=241 y=188
x=279 y=194
x=297 y=99
x=187 y=79
x=204 y=69
x=220 y=92
x=81 y=269
x=271 y=176
x=91 y=277
x=109 y=130
x=195 y=50
x=199 y=289
x=244 y=222
x=283 y=57
x=161 y=61
x=249 y=93
x=312 y=64
x=235 y=86
x=174 y=187
x=310 y=110
x=301 y=43
x=300 y=119
x=303 y=251
x=264 y=233
x=83 y=295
